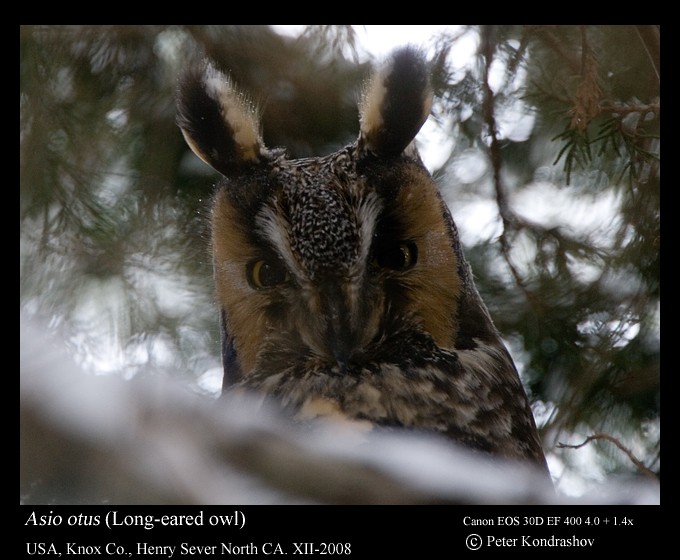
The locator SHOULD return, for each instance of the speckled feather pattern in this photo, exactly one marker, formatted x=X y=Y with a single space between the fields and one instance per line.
x=407 y=381
x=324 y=227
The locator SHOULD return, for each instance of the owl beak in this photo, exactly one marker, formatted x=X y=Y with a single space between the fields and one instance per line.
x=341 y=338
x=341 y=350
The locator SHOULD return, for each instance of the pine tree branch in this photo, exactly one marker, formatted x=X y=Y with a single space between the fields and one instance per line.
x=626 y=108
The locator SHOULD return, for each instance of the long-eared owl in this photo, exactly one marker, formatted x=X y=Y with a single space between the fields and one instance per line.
x=341 y=282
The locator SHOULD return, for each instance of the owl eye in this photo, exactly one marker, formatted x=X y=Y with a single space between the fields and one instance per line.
x=265 y=273
x=398 y=256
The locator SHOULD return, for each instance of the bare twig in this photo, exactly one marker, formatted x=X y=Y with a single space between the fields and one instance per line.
x=649 y=36
x=510 y=221
x=639 y=464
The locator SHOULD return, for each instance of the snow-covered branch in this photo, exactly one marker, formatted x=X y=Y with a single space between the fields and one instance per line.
x=89 y=439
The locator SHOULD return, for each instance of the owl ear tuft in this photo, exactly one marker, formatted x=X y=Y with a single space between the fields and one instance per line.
x=219 y=123
x=396 y=102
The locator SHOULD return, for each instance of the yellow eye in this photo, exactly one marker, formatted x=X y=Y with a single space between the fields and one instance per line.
x=397 y=256
x=263 y=273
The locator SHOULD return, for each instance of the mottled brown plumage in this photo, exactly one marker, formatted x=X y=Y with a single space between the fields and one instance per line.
x=341 y=282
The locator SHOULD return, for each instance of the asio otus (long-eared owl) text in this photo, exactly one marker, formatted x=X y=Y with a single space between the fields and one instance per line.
x=340 y=280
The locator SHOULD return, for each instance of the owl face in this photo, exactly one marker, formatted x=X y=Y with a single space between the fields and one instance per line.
x=334 y=255
x=340 y=280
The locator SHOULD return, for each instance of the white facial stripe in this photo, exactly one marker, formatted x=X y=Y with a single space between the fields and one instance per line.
x=367 y=215
x=275 y=228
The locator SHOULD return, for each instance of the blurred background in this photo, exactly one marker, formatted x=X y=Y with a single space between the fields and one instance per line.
x=544 y=140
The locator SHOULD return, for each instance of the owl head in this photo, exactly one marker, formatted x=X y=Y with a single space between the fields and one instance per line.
x=341 y=278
